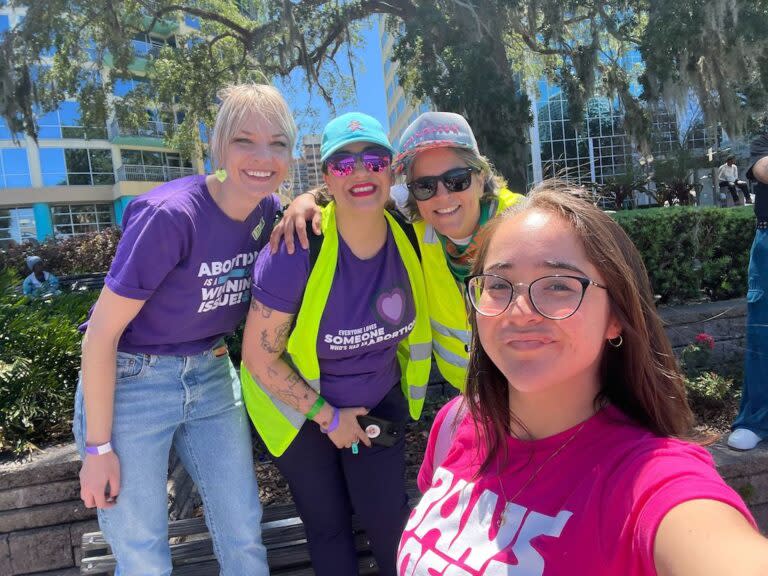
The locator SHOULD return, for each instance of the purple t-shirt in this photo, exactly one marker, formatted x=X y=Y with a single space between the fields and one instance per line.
x=190 y=263
x=369 y=310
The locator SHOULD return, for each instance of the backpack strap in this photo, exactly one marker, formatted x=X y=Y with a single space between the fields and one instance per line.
x=407 y=227
x=315 y=243
x=447 y=431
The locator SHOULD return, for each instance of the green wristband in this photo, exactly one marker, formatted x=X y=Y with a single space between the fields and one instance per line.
x=319 y=403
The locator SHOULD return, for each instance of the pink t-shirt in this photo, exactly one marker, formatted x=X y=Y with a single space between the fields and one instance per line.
x=593 y=508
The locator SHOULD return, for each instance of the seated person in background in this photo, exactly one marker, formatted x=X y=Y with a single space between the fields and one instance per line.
x=728 y=175
x=39 y=282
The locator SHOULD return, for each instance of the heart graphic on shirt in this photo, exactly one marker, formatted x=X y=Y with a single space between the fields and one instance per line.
x=391 y=305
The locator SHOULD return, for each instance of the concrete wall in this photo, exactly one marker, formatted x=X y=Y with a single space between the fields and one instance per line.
x=42 y=519
x=725 y=320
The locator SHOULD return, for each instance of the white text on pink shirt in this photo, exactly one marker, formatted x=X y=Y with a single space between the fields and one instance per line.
x=468 y=541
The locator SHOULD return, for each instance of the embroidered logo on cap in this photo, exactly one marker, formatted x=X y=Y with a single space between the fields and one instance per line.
x=354 y=125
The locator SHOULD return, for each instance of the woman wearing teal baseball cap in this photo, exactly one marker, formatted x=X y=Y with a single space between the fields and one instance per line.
x=453 y=192
x=336 y=332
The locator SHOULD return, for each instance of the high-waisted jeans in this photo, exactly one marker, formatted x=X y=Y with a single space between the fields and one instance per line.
x=194 y=404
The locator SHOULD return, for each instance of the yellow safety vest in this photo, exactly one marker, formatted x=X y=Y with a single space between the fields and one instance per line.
x=276 y=422
x=447 y=309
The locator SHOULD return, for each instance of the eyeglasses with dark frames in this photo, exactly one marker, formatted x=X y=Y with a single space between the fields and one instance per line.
x=556 y=297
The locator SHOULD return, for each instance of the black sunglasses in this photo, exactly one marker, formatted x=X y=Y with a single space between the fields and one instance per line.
x=454 y=180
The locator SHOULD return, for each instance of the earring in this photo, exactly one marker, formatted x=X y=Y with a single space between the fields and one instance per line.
x=613 y=341
x=286 y=186
x=221 y=175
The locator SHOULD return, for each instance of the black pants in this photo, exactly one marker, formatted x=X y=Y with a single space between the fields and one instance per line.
x=328 y=484
x=734 y=194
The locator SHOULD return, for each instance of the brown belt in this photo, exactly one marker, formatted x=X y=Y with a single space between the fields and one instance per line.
x=220 y=351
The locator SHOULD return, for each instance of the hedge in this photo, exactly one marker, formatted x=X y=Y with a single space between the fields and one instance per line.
x=64 y=256
x=693 y=253
x=39 y=361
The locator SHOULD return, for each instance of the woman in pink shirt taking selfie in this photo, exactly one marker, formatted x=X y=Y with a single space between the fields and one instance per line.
x=567 y=454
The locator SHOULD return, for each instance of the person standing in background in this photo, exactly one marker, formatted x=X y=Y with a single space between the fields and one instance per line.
x=751 y=424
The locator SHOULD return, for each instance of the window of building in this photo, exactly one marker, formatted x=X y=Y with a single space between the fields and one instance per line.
x=146 y=166
x=14 y=168
x=76 y=167
x=16 y=225
x=145 y=44
x=66 y=123
x=125 y=85
x=147 y=158
x=77 y=219
x=5 y=132
x=192 y=21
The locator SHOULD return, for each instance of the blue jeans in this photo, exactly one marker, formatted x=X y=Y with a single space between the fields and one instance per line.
x=193 y=403
x=753 y=414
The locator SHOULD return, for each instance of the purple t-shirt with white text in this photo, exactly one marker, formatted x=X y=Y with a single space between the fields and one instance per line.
x=369 y=311
x=190 y=263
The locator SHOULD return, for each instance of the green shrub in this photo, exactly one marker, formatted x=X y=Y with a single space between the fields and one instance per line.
x=65 y=256
x=39 y=361
x=693 y=252
x=709 y=388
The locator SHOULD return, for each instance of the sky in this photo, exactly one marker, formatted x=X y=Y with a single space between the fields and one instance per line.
x=371 y=97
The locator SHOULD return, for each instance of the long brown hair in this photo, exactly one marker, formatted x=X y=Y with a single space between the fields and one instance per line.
x=641 y=377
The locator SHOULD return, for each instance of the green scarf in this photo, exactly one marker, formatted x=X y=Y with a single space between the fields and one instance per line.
x=460 y=258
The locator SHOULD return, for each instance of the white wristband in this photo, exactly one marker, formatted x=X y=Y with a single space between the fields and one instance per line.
x=100 y=449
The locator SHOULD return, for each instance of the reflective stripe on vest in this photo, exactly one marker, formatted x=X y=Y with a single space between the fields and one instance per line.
x=277 y=423
x=451 y=333
x=450 y=357
x=463 y=335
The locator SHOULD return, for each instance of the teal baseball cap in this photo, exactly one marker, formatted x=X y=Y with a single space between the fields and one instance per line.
x=349 y=128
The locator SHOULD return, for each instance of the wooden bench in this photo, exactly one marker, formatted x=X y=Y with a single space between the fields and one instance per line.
x=282 y=533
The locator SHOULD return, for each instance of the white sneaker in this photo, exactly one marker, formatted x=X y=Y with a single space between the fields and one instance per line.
x=743 y=439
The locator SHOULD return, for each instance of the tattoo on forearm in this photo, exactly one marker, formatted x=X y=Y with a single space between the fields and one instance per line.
x=275 y=343
x=296 y=390
x=264 y=311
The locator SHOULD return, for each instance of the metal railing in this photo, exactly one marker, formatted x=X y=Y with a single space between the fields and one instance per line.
x=152 y=129
x=144 y=49
x=142 y=173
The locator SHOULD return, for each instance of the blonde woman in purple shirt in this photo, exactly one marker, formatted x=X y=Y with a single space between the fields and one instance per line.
x=155 y=371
